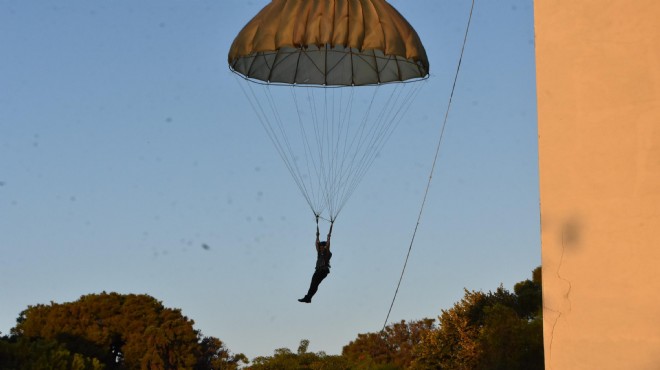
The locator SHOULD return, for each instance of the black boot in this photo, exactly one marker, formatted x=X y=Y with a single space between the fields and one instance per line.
x=305 y=299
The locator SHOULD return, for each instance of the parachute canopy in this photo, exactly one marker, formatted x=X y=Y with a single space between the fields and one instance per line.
x=329 y=137
x=329 y=42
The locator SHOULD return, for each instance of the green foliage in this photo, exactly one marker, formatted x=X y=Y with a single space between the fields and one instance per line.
x=215 y=356
x=497 y=330
x=391 y=348
x=119 y=332
x=285 y=359
x=483 y=331
x=24 y=354
x=489 y=331
x=510 y=342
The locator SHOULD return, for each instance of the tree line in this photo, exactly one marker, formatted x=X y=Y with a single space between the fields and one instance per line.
x=495 y=330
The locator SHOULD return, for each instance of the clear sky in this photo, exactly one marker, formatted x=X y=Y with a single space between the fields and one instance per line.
x=126 y=145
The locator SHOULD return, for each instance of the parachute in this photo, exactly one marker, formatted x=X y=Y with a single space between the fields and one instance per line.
x=329 y=80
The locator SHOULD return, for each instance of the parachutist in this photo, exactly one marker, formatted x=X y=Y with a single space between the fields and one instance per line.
x=322 y=264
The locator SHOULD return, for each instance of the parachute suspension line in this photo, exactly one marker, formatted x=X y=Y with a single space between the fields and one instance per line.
x=263 y=119
x=338 y=127
x=328 y=135
x=334 y=127
x=318 y=126
x=343 y=147
x=341 y=170
x=283 y=141
x=384 y=126
x=335 y=149
x=313 y=149
x=292 y=161
x=368 y=134
x=321 y=136
x=359 y=138
x=396 y=116
x=340 y=135
x=331 y=185
x=315 y=205
x=265 y=122
x=332 y=149
x=435 y=159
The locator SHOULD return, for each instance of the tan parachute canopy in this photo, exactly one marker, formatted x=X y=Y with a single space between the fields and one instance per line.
x=329 y=42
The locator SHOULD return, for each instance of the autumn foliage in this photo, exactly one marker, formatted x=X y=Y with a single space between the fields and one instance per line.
x=112 y=331
x=497 y=330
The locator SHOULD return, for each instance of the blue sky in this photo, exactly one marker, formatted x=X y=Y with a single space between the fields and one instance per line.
x=126 y=145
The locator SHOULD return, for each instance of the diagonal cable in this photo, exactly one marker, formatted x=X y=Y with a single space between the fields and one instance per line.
x=435 y=159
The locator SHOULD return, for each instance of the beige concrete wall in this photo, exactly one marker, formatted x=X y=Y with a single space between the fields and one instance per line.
x=598 y=85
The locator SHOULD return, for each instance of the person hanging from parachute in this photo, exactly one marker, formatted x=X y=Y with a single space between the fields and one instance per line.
x=322 y=263
x=343 y=76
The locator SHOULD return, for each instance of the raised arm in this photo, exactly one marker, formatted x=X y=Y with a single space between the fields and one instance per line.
x=329 y=234
x=318 y=241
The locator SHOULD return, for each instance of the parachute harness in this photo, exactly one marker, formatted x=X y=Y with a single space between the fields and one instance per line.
x=435 y=159
x=319 y=217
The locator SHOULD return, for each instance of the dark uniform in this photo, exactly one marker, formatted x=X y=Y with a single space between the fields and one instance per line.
x=322 y=266
x=322 y=270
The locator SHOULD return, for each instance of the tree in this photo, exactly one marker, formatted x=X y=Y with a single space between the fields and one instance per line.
x=512 y=336
x=24 y=354
x=454 y=344
x=497 y=330
x=529 y=295
x=510 y=342
x=124 y=332
x=215 y=356
x=494 y=330
x=285 y=359
x=391 y=348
